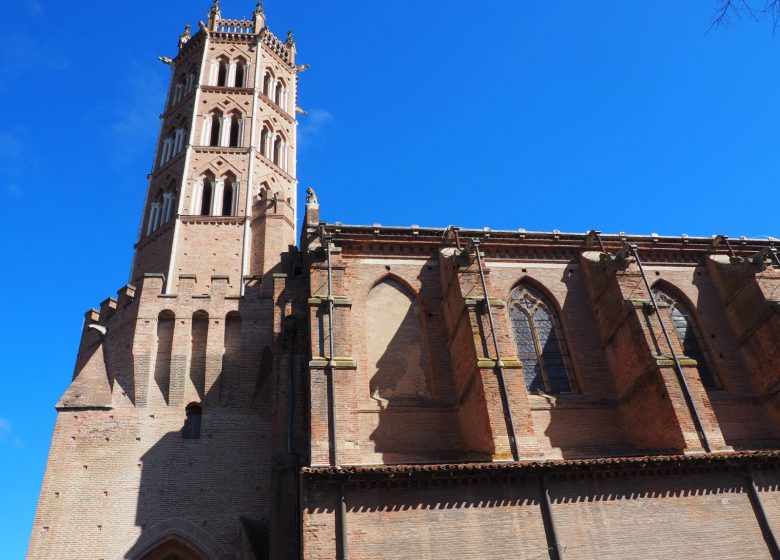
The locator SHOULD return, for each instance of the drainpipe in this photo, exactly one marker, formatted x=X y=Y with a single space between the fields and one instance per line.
x=300 y=516
x=342 y=511
x=677 y=366
x=344 y=553
x=549 y=520
x=499 y=363
x=328 y=238
x=291 y=332
x=761 y=516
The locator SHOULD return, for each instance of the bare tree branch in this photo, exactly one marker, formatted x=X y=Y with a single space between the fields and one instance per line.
x=729 y=12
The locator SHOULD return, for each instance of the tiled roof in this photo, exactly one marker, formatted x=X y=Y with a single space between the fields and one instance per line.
x=741 y=458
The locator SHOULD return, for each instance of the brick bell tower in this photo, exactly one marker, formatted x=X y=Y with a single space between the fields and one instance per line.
x=178 y=436
x=221 y=197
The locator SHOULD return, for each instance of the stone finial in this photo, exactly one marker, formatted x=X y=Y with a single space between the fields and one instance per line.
x=311 y=196
x=290 y=39
x=215 y=14
x=259 y=18
x=185 y=36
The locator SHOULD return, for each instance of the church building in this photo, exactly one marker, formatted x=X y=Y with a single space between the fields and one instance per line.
x=266 y=387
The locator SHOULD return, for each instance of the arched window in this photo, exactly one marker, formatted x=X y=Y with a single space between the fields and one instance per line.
x=229 y=193
x=216 y=129
x=279 y=94
x=688 y=334
x=169 y=203
x=264 y=135
x=397 y=353
x=539 y=344
x=191 y=429
x=267 y=81
x=222 y=73
x=155 y=213
x=240 y=73
x=277 y=151
x=205 y=204
x=235 y=131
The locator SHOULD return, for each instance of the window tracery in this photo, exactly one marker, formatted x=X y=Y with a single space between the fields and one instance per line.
x=540 y=347
x=687 y=331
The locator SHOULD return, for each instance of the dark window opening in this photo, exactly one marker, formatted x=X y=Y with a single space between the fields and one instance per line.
x=277 y=152
x=240 y=75
x=216 y=121
x=227 y=199
x=222 y=75
x=191 y=429
x=205 y=205
x=234 y=132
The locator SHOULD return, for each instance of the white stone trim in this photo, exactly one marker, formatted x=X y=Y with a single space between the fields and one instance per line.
x=214 y=75
x=230 y=80
x=216 y=197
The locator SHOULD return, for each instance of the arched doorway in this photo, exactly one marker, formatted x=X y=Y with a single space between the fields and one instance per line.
x=173 y=550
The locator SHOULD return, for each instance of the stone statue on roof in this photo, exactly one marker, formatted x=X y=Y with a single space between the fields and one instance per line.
x=185 y=36
x=311 y=196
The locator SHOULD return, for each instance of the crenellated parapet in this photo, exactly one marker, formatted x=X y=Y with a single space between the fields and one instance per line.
x=149 y=348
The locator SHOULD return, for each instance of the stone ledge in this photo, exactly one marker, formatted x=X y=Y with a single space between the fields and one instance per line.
x=337 y=300
x=339 y=362
x=668 y=361
x=484 y=363
x=494 y=302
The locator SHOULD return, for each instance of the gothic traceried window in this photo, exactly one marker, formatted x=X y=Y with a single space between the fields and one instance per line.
x=687 y=332
x=540 y=347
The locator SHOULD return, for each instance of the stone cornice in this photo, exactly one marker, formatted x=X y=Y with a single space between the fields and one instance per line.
x=520 y=245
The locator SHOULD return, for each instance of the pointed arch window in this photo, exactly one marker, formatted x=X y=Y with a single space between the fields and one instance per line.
x=241 y=73
x=205 y=203
x=279 y=94
x=264 y=136
x=540 y=346
x=236 y=131
x=230 y=190
x=216 y=129
x=688 y=333
x=278 y=151
x=222 y=73
x=267 y=81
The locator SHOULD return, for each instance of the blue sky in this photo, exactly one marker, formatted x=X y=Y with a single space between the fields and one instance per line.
x=622 y=116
